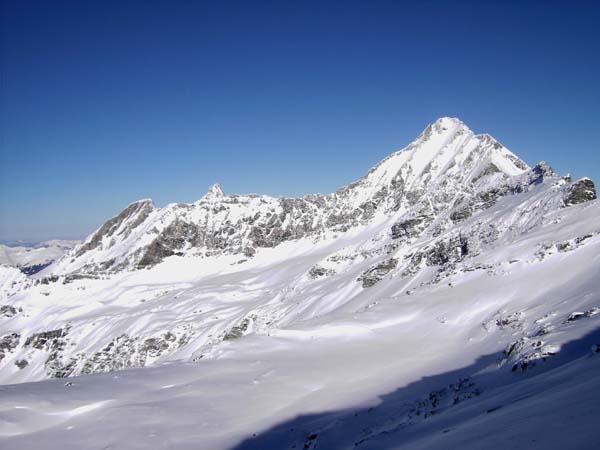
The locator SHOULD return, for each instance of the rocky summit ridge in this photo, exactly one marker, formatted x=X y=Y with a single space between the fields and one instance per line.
x=181 y=282
x=444 y=175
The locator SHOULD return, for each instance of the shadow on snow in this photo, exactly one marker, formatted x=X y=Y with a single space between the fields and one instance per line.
x=404 y=413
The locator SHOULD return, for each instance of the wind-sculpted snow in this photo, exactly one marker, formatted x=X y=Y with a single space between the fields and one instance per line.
x=450 y=259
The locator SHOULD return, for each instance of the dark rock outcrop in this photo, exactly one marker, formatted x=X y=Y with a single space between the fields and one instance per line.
x=373 y=275
x=318 y=271
x=136 y=212
x=409 y=228
x=461 y=214
x=46 y=339
x=237 y=331
x=8 y=343
x=126 y=351
x=540 y=172
x=21 y=363
x=581 y=191
x=8 y=311
x=168 y=243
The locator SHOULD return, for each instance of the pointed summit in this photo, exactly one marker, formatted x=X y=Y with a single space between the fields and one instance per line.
x=444 y=126
x=447 y=121
x=214 y=193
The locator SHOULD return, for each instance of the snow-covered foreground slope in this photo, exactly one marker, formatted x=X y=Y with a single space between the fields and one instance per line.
x=386 y=370
x=270 y=404
x=449 y=294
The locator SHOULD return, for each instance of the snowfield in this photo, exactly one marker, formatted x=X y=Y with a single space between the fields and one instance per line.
x=448 y=299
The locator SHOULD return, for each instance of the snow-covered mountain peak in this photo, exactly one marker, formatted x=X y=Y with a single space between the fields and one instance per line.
x=451 y=269
x=445 y=123
x=448 y=154
x=448 y=142
x=144 y=202
x=214 y=193
x=443 y=176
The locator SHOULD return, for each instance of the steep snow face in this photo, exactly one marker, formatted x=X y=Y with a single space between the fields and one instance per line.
x=445 y=164
x=446 y=155
x=451 y=272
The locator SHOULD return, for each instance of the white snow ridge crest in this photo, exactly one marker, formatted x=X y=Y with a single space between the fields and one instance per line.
x=445 y=163
x=412 y=308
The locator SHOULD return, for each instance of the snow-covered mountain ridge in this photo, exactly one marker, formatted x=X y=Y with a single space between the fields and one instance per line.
x=446 y=166
x=451 y=257
x=426 y=206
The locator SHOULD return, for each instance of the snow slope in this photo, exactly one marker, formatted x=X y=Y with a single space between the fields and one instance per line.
x=450 y=293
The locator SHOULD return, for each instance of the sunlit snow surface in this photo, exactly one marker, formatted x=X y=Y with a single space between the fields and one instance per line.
x=496 y=352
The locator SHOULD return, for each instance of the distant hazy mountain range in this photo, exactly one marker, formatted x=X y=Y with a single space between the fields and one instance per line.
x=31 y=258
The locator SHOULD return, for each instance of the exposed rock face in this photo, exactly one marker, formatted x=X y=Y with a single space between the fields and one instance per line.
x=408 y=228
x=318 y=271
x=125 y=351
x=21 y=363
x=122 y=352
x=541 y=171
x=531 y=349
x=581 y=191
x=8 y=311
x=8 y=343
x=120 y=225
x=444 y=251
x=421 y=212
x=53 y=343
x=461 y=214
x=46 y=339
x=170 y=242
x=116 y=355
x=418 y=179
x=237 y=331
x=376 y=273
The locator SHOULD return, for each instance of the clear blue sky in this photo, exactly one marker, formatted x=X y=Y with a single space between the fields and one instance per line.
x=106 y=102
